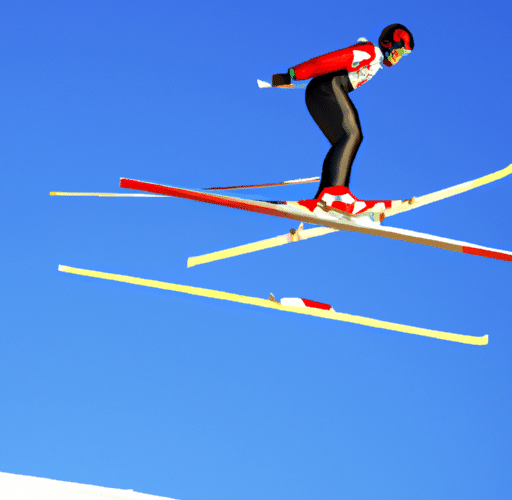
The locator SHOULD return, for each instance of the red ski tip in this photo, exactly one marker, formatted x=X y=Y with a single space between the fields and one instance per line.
x=491 y=254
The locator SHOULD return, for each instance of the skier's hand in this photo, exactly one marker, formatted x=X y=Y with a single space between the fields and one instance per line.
x=281 y=79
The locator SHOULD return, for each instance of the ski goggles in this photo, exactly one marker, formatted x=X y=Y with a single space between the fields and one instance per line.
x=403 y=51
x=400 y=51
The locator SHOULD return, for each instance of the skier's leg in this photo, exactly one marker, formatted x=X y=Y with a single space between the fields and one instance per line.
x=339 y=159
x=338 y=119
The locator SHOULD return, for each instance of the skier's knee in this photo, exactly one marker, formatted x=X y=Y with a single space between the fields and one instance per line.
x=356 y=136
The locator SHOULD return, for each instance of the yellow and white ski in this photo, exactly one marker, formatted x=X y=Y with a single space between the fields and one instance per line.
x=290 y=305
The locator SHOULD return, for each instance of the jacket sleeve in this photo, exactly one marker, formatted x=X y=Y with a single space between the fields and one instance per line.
x=349 y=59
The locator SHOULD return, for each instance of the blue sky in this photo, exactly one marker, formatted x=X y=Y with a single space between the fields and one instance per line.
x=192 y=398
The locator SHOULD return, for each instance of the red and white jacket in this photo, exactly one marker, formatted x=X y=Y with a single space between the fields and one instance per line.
x=361 y=61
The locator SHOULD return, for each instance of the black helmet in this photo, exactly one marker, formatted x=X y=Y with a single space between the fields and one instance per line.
x=395 y=36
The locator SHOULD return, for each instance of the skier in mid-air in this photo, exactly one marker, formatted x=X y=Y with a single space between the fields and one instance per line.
x=334 y=76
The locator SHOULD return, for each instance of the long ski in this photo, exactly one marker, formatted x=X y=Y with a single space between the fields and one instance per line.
x=295 y=212
x=402 y=207
x=272 y=304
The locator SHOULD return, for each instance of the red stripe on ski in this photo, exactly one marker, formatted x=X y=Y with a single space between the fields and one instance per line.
x=198 y=196
x=318 y=305
x=487 y=253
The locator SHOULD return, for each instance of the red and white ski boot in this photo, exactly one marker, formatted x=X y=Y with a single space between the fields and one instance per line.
x=339 y=199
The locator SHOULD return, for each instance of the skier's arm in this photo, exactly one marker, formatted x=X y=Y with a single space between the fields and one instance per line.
x=333 y=61
x=345 y=59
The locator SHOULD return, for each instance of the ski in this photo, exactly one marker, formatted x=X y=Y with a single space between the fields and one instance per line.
x=406 y=205
x=298 y=306
x=448 y=192
x=272 y=184
x=289 y=210
x=399 y=208
x=294 y=235
x=292 y=210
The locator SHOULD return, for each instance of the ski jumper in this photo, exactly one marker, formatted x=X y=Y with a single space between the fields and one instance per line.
x=334 y=76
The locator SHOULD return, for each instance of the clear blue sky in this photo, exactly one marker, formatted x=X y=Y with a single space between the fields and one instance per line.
x=197 y=399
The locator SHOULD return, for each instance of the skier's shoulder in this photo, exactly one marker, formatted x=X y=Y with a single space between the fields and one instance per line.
x=363 y=45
